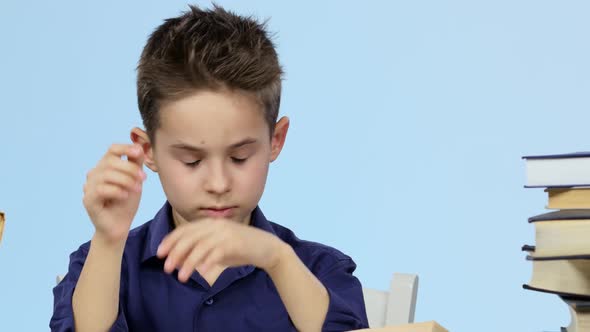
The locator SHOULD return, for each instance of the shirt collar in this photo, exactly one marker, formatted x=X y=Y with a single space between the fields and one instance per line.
x=162 y=224
x=259 y=221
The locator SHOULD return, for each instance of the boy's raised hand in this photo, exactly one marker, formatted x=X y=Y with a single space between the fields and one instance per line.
x=204 y=244
x=113 y=190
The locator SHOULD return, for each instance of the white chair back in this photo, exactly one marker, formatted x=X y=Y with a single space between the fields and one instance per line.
x=393 y=307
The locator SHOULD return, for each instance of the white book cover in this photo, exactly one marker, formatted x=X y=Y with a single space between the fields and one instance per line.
x=559 y=170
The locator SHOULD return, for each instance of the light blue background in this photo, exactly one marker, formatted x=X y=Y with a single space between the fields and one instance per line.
x=408 y=123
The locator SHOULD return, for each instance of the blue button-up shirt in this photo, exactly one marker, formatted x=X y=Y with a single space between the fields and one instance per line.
x=242 y=298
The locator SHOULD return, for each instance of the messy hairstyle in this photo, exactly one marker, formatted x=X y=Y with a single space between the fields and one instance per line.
x=207 y=50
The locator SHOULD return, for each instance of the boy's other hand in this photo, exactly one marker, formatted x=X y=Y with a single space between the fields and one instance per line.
x=207 y=243
x=113 y=190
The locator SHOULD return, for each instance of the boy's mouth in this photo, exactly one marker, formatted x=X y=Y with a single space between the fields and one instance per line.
x=219 y=212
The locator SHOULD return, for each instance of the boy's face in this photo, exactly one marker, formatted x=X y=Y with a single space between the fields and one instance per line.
x=212 y=152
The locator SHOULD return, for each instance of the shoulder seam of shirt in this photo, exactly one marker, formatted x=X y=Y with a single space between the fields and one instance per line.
x=336 y=265
x=337 y=254
x=304 y=244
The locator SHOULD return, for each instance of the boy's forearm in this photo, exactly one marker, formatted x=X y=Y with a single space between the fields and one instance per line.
x=304 y=296
x=96 y=297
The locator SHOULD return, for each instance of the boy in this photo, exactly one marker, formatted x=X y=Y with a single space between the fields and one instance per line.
x=209 y=85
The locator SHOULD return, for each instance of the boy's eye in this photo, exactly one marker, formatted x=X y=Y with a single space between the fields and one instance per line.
x=193 y=164
x=239 y=160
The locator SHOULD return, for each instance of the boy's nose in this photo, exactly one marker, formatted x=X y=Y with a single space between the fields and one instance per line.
x=218 y=181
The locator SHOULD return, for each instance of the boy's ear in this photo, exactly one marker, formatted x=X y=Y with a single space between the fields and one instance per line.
x=278 y=138
x=139 y=136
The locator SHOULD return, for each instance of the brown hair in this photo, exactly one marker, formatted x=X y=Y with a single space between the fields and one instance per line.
x=207 y=49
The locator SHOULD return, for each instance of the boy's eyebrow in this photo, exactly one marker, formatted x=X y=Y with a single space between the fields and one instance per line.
x=185 y=146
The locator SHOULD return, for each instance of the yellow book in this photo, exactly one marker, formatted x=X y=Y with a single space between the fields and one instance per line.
x=562 y=233
x=430 y=326
x=561 y=275
x=568 y=198
x=1 y=225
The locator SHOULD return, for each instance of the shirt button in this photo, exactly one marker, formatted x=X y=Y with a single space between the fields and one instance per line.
x=209 y=301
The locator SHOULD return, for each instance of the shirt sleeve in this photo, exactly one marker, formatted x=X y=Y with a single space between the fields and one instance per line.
x=346 y=310
x=62 y=319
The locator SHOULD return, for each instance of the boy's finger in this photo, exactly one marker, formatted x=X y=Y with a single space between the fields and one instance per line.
x=136 y=155
x=121 y=150
x=215 y=257
x=195 y=257
x=178 y=253
x=122 y=179
x=128 y=167
x=169 y=241
x=198 y=231
x=108 y=192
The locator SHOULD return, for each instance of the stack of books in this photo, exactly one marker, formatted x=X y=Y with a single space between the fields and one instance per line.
x=561 y=254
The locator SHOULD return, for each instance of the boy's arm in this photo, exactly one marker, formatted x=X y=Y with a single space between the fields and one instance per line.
x=307 y=302
x=111 y=197
x=62 y=319
x=95 y=301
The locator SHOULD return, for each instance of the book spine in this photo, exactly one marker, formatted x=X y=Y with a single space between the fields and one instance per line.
x=2 y=220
